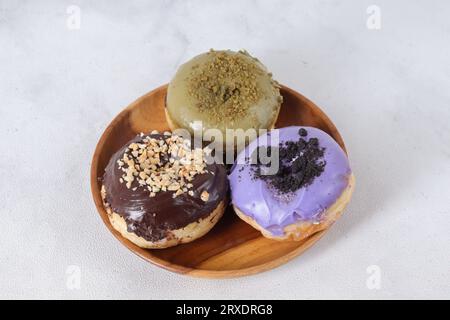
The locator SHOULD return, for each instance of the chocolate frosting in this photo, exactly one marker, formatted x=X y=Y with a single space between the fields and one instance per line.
x=152 y=218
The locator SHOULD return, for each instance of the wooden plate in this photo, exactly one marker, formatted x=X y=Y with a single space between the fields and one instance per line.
x=232 y=248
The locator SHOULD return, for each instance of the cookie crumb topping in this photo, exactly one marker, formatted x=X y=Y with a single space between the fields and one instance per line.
x=300 y=162
x=162 y=162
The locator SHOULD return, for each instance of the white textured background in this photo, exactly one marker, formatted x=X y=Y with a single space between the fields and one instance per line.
x=387 y=90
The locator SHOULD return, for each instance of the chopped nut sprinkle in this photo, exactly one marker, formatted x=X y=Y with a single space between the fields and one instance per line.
x=226 y=86
x=204 y=196
x=163 y=163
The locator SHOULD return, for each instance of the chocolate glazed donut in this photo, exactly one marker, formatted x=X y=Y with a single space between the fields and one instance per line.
x=162 y=220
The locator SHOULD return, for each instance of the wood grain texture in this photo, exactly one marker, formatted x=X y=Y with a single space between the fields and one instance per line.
x=232 y=248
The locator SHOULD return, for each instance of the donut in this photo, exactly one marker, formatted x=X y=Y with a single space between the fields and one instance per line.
x=159 y=191
x=308 y=188
x=222 y=90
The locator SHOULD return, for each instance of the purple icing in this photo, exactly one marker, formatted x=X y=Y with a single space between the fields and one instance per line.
x=254 y=198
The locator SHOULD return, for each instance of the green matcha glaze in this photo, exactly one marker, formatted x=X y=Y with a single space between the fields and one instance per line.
x=224 y=90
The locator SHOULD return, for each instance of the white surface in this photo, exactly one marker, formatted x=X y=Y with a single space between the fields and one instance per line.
x=386 y=90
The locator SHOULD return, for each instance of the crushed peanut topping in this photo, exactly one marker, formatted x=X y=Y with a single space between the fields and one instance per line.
x=204 y=196
x=226 y=86
x=164 y=163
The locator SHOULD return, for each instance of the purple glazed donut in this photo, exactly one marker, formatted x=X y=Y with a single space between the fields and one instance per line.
x=306 y=194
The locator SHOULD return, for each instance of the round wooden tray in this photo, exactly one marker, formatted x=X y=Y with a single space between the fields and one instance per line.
x=232 y=248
